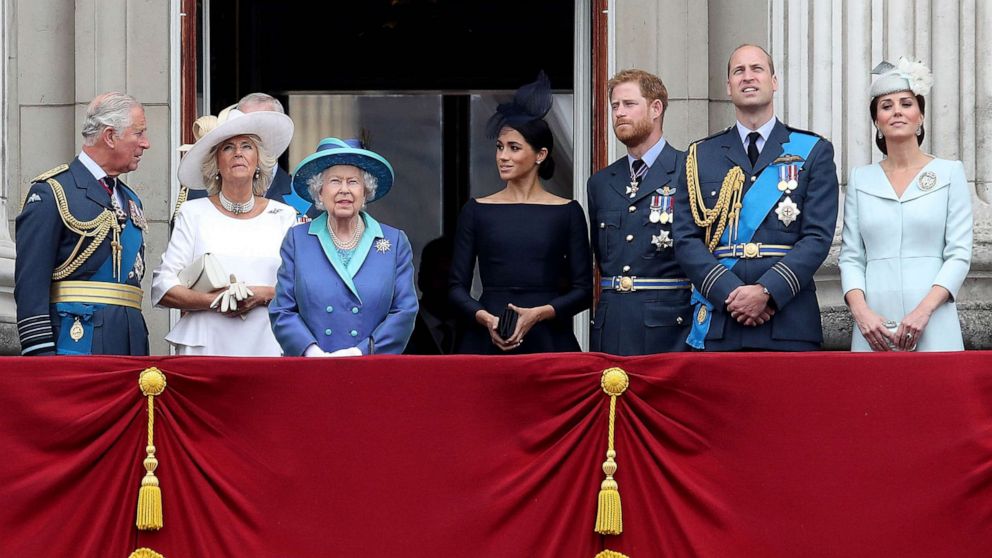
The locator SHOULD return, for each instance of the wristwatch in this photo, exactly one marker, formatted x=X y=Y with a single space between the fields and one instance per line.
x=764 y=289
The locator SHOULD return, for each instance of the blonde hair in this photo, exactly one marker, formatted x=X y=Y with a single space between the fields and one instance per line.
x=263 y=172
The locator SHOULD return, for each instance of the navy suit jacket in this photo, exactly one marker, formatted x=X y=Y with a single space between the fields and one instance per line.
x=43 y=243
x=641 y=322
x=789 y=279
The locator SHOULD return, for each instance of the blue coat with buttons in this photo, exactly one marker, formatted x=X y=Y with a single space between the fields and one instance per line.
x=641 y=322
x=371 y=304
x=789 y=279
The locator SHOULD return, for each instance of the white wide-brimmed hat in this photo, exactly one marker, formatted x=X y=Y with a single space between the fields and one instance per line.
x=274 y=129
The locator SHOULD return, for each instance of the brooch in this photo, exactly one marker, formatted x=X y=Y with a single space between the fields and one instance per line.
x=928 y=181
x=383 y=245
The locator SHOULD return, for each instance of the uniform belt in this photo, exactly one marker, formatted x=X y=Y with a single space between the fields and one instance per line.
x=751 y=250
x=628 y=284
x=97 y=292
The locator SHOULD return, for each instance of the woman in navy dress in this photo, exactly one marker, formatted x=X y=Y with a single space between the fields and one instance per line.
x=532 y=246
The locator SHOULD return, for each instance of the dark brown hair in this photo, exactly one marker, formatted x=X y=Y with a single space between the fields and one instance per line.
x=880 y=141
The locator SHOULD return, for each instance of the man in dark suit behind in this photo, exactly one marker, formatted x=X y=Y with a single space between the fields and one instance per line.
x=644 y=301
x=756 y=209
x=435 y=331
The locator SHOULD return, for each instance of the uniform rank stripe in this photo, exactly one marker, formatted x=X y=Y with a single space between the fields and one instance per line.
x=789 y=277
x=712 y=279
x=38 y=347
x=795 y=280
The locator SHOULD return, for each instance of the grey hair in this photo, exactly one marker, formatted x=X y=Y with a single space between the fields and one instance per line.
x=265 y=169
x=316 y=183
x=108 y=110
x=261 y=99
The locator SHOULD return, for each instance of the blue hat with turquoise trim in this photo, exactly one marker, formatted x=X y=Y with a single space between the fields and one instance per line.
x=334 y=151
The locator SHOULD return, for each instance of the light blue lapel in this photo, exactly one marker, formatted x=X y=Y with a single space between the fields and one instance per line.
x=373 y=230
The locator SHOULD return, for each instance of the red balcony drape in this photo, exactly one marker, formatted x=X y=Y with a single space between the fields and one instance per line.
x=722 y=455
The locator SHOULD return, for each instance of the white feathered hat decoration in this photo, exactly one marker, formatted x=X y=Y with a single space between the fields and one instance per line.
x=906 y=75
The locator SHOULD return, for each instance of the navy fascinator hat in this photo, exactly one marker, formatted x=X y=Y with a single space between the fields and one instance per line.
x=530 y=102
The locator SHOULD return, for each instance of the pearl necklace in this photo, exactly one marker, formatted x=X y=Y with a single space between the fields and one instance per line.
x=235 y=207
x=355 y=237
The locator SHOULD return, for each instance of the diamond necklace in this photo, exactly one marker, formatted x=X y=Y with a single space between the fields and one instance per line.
x=234 y=207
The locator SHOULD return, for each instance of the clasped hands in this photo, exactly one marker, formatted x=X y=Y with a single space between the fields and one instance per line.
x=526 y=318
x=749 y=305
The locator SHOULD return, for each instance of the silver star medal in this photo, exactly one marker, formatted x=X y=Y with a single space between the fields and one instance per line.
x=632 y=189
x=662 y=240
x=787 y=211
x=138 y=271
x=382 y=245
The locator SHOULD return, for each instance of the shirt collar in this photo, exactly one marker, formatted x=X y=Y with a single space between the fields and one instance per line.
x=764 y=130
x=95 y=169
x=650 y=156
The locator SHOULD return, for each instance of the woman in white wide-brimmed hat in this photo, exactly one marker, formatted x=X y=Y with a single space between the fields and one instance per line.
x=240 y=229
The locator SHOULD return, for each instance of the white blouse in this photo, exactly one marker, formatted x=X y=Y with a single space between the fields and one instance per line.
x=247 y=248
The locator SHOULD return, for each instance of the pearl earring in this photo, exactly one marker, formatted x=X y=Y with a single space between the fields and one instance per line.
x=879 y=133
x=256 y=173
x=919 y=131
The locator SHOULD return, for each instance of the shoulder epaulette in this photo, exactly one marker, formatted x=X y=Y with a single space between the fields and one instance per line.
x=714 y=134
x=801 y=131
x=50 y=173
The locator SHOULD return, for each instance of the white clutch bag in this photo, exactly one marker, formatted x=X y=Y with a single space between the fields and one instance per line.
x=204 y=275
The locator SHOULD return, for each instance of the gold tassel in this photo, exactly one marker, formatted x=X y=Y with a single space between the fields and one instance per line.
x=145 y=553
x=152 y=383
x=609 y=514
x=611 y=554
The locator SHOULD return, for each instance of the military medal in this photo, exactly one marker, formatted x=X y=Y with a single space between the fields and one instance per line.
x=137 y=217
x=656 y=214
x=138 y=271
x=118 y=210
x=661 y=240
x=928 y=181
x=787 y=211
x=635 y=179
x=783 y=178
x=76 y=331
x=793 y=178
x=667 y=205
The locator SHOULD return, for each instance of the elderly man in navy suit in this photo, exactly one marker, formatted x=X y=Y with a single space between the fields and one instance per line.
x=80 y=243
x=644 y=299
x=756 y=213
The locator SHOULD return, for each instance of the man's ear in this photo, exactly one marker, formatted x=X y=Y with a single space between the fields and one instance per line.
x=107 y=136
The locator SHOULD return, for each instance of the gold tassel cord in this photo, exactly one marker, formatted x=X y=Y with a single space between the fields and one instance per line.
x=145 y=553
x=611 y=554
x=609 y=514
x=152 y=384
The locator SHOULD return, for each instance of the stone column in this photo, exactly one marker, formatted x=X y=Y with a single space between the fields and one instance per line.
x=837 y=43
x=8 y=320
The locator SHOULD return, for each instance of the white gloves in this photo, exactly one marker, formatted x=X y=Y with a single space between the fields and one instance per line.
x=314 y=351
x=227 y=301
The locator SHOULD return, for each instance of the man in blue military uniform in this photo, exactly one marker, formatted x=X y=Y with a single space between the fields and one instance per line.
x=80 y=243
x=644 y=298
x=756 y=213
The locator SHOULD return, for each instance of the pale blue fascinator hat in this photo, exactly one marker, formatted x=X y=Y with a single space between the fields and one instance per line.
x=904 y=75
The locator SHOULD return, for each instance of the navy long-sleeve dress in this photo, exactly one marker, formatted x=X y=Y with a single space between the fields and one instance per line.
x=529 y=255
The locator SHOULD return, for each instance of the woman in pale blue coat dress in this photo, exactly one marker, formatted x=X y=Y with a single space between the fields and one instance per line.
x=345 y=286
x=907 y=228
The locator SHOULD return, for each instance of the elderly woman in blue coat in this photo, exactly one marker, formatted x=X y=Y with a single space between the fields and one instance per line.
x=345 y=286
